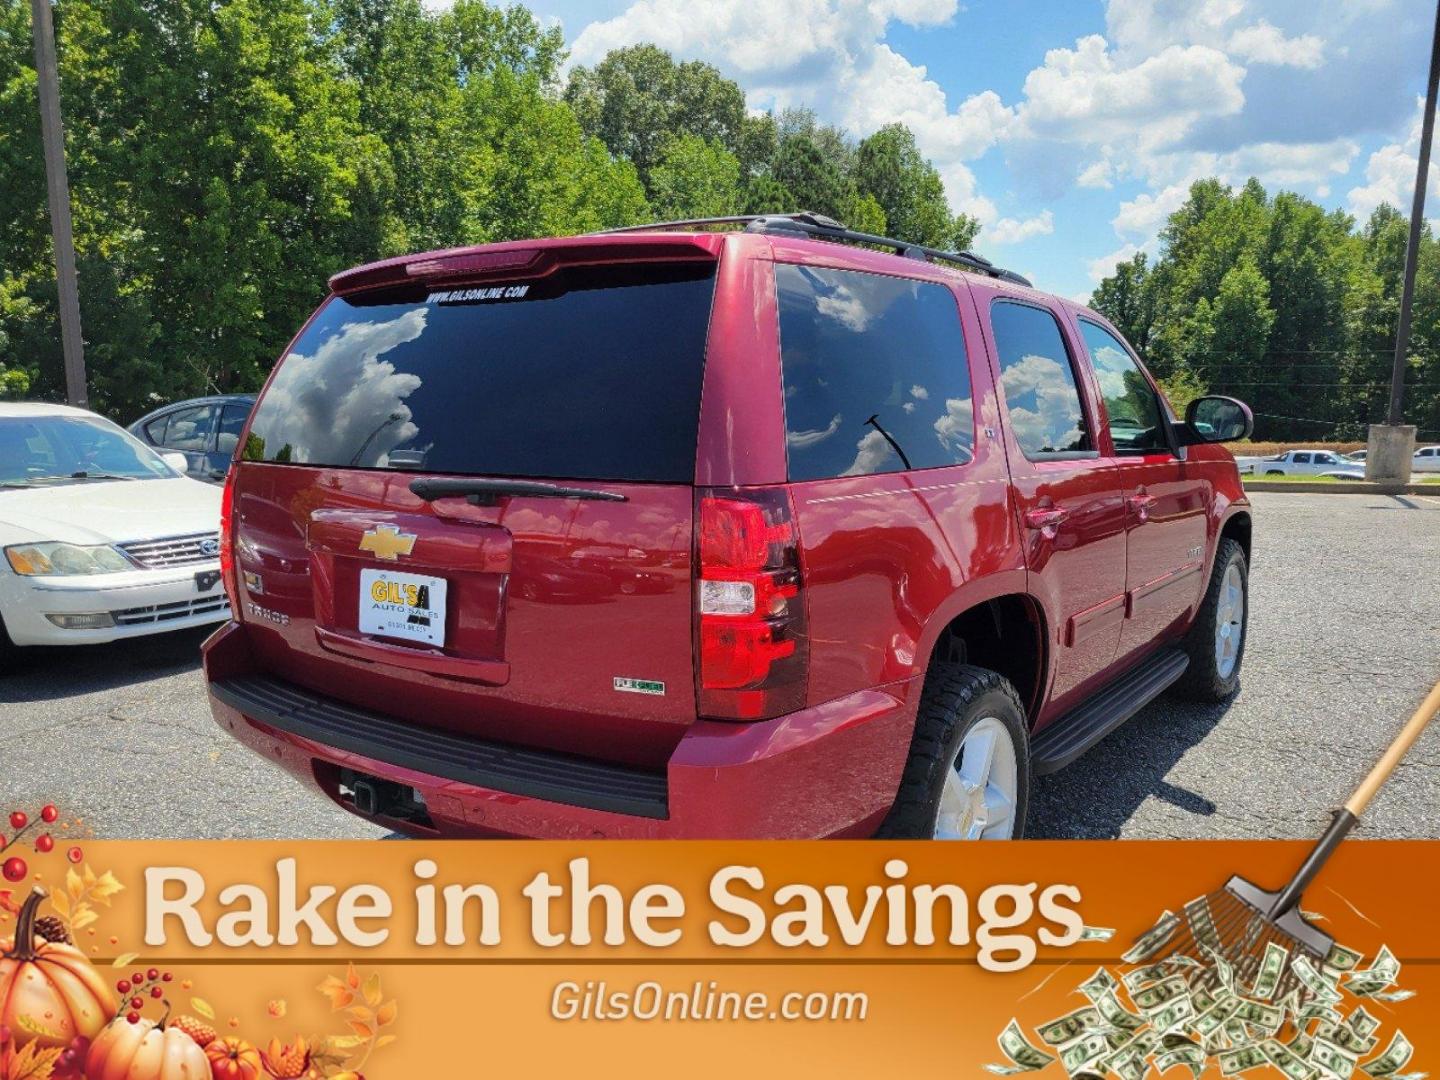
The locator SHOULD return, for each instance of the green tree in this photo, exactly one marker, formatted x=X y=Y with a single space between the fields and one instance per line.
x=636 y=98
x=1127 y=299
x=890 y=167
x=694 y=177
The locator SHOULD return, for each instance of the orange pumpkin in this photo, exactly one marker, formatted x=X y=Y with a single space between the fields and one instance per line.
x=145 y=1051
x=50 y=985
x=233 y=1059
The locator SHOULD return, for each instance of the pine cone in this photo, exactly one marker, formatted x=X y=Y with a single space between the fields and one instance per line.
x=52 y=929
x=201 y=1032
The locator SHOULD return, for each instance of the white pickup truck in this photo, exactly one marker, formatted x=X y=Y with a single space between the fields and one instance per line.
x=1305 y=463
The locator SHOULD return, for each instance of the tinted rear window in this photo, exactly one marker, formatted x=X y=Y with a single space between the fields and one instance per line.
x=586 y=374
x=876 y=378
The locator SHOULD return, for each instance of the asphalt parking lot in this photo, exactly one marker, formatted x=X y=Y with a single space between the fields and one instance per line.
x=1344 y=642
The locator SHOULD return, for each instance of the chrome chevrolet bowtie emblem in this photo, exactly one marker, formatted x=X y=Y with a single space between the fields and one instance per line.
x=387 y=542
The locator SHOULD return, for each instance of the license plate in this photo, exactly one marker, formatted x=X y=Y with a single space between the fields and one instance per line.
x=406 y=606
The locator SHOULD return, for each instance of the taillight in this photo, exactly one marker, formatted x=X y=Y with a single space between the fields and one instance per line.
x=753 y=648
x=227 y=543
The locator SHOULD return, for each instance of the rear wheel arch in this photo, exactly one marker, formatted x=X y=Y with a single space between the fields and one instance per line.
x=1005 y=634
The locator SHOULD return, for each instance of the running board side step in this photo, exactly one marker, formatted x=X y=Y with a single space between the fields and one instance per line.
x=1069 y=736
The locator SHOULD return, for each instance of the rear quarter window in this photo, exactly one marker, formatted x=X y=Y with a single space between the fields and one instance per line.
x=586 y=374
x=875 y=372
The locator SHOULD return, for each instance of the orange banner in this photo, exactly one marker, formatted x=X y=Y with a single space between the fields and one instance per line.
x=411 y=959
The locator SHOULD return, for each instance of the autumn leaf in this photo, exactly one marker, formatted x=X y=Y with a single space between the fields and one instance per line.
x=84 y=915
x=384 y=1040
x=73 y=884
x=352 y=977
x=365 y=1031
x=33 y=1063
x=203 y=1007
x=88 y=876
x=124 y=959
x=343 y=1042
x=104 y=889
x=61 y=903
x=372 y=989
x=386 y=1013
x=28 y=1023
x=339 y=994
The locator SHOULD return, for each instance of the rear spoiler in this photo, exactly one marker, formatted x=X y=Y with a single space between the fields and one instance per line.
x=526 y=259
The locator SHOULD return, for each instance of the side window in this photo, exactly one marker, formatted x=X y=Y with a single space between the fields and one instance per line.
x=190 y=429
x=232 y=421
x=1039 y=381
x=1137 y=421
x=155 y=430
x=876 y=376
x=1301 y=459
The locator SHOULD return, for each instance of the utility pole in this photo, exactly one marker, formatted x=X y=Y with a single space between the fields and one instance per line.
x=53 y=136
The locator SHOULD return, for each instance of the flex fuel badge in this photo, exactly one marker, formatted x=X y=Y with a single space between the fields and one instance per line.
x=640 y=686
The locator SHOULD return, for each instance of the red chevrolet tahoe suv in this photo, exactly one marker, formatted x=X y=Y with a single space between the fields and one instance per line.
x=780 y=531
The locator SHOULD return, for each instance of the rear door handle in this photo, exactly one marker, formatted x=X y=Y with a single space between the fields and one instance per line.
x=1046 y=518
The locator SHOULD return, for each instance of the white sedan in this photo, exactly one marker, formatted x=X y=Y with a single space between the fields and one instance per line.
x=102 y=538
x=1427 y=459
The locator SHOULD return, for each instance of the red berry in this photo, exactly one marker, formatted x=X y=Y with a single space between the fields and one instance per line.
x=44 y=842
x=137 y=1003
x=18 y=819
x=123 y=986
x=166 y=977
x=15 y=869
x=48 y=813
x=133 y=1017
x=75 y=854
x=152 y=974
x=156 y=992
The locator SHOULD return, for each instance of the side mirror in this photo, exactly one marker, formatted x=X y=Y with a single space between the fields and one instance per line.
x=1216 y=419
x=179 y=462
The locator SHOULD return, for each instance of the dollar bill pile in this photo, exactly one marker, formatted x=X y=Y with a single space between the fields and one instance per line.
x=1198 y=1012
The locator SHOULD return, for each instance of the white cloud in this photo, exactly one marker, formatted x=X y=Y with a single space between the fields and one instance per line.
x=1104 y=266
x=1263 y=43
x=1142 y=216
x=1012 y=230
x=1390 y=175
x=1086 y=95
x=1099 y=175
x=1146 y=27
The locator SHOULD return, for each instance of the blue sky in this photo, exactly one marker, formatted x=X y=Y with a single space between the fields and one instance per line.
x=1071 y=128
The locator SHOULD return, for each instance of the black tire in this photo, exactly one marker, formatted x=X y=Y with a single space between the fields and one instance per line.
x=955 y=698
x=7 y=651
x=1273 y=472
x=1202 y=680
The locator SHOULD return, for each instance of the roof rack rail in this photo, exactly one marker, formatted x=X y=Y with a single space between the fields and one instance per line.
x=808 y=223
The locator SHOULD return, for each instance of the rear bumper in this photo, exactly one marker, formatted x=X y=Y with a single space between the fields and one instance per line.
x=830 y=770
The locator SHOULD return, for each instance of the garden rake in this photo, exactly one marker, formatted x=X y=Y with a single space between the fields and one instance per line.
x=1235 y=924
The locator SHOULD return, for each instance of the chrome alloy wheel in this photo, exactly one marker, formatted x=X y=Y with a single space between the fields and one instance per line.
x=1229 y=621
x=978 y=799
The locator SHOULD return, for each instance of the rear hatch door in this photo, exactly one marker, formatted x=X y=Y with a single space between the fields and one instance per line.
x=470 y=507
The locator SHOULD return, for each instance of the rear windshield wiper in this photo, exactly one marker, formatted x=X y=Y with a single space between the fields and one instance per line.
x=482 y=492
